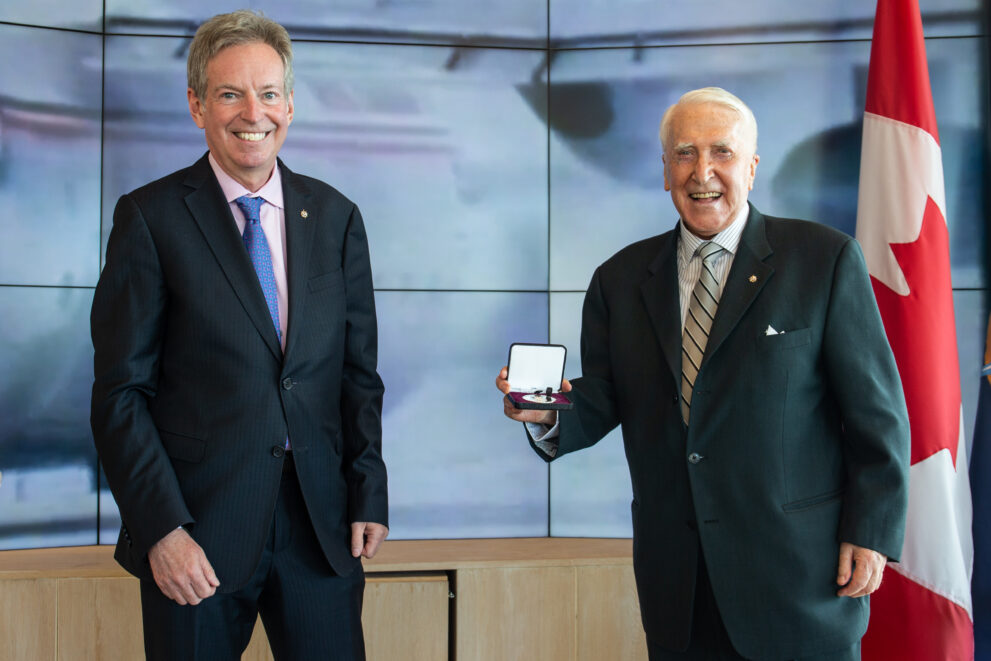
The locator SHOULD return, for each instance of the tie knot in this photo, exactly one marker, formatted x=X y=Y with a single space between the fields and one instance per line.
x=709 y=250
x=250 y=207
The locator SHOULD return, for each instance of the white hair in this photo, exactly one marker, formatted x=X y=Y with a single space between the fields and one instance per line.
x=715 y=95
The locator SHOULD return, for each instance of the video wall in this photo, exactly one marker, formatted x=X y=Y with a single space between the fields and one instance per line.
x=499 y=151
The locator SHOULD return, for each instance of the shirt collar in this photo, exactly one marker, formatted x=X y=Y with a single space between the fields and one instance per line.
x=729 y=238
x=271 y=192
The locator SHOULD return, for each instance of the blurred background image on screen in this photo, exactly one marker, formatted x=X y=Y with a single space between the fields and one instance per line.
x=455 y=470
x=48 y=494
x=446 y=161
x=49 y=157
x=499 y=151
x=507 y=23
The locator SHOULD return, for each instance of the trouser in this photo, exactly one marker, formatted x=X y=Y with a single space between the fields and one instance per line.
x=308 y=611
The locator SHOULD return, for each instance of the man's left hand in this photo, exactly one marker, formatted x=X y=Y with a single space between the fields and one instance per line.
x=366 y=537
x=860 y=570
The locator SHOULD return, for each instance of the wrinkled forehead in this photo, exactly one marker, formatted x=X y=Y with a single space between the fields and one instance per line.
x=710 y=124
x=248 y=56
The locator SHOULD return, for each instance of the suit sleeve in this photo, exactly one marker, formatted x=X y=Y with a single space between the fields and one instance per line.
x=865 y=384
x=126 y=321
x=361 y=387
x=595 y=413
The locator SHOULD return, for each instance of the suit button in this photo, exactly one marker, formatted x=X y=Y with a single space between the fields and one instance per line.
x=695 y=457
x=287 y=383
x=278 y=451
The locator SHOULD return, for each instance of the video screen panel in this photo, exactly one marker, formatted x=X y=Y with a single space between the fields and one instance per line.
x=457 y=466
x=606 y=170
x=585 y=23
x=47 y=458
x=590 y=490
x=444 y=146
x=448 y=163
x=50 y=155
x=507 y=23
x=74 y=14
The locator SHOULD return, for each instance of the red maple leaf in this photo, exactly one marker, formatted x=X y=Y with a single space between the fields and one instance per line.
x=922 y=334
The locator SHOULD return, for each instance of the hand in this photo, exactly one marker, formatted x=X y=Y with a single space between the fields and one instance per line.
x=860 y=570
x=541 y=417
x=366 y=537
x=181 y=569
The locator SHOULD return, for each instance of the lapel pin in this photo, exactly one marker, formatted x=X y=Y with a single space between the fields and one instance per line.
x=752 y=278
x=304 y=213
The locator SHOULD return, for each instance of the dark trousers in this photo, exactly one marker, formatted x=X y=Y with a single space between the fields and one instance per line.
x=308 y=611
x=711 y=642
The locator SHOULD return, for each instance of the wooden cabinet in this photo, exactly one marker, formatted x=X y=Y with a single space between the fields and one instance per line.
x=461 y=600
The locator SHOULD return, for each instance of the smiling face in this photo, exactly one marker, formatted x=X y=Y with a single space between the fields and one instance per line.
x=709 y=165
x=246 y=111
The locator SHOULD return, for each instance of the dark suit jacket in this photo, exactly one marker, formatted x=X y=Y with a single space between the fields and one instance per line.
x=801 y=438
x=193 y=398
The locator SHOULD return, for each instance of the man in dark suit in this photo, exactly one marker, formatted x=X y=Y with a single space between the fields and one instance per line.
x=761 y=410
x=236 y=404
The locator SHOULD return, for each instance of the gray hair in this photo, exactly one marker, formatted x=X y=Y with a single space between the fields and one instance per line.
x=715 y=95
x=234 y=29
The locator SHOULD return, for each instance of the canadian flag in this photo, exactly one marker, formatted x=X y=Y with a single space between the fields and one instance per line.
x=923 y=609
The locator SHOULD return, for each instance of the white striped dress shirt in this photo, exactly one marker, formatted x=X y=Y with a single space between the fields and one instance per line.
x=690 y=264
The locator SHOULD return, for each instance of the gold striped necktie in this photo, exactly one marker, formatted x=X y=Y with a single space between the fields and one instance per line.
x=698 y=323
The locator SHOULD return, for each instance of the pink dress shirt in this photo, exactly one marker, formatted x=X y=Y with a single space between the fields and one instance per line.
x=273 y=221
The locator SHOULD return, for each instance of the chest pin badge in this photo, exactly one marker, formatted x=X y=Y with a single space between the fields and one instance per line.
x=752 y=278
x=304 y=214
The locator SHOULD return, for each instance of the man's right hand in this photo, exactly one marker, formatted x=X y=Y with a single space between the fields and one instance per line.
x=181 y=569
x=526 y=415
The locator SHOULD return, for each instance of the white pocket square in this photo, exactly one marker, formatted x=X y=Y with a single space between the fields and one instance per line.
x=770 y=331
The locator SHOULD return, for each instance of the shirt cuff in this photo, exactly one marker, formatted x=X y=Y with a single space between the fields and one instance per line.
x=544 y=437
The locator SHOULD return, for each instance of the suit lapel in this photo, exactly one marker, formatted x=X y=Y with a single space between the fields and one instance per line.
x=661 y=298
x=211 y=212
x=744 y=282
x=300 y=226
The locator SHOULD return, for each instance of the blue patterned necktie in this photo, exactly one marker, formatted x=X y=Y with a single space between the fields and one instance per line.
x=261 y=258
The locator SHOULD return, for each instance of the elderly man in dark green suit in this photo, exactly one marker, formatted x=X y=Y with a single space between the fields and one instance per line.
x=761 y=410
